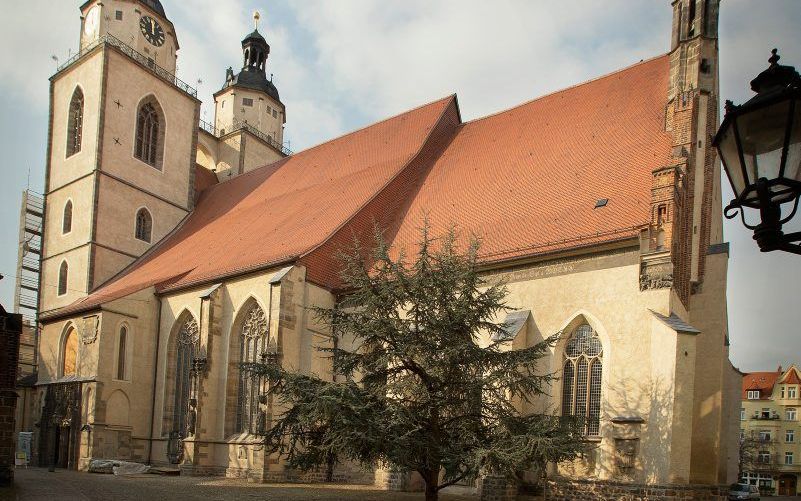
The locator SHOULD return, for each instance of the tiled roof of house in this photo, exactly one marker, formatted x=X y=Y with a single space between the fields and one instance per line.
x=762 y=381
x=791 y=376
x=525 y=180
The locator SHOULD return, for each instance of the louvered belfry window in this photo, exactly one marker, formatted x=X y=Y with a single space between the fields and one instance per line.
x=75 y=124
x=148 y=135
x=581 y=378
x=252 y=344
x=188 y=344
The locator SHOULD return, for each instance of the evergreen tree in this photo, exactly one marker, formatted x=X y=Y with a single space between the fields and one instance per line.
x=422 y=379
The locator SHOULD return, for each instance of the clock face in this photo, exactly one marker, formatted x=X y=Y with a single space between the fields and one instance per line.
x=91 y=23
x=152 y=31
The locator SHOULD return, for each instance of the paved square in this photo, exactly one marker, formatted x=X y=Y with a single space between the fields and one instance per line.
x=36 y=484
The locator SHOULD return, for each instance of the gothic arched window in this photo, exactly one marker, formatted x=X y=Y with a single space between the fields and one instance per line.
x=253 y=341
x=70 y=357
x=63 y=273
x=581 y=378
x=66 y=221
x=149 y=134
x=75 y=123
x=144 y=225
x=187 y=346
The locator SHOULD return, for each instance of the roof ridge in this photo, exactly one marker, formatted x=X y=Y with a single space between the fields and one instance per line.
x=565 y=89
x=452 y=99
x=346 y=134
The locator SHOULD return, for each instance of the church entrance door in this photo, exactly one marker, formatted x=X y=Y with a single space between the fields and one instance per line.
x=60 y=425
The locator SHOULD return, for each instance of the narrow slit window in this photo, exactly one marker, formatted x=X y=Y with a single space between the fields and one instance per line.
x=121 y=352
x=63 y=273
x=66 y=222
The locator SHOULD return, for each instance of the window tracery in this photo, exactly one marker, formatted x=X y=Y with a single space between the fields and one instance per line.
x=148 y=135
x=188 y=341
x=581 y=381
x=254 y=344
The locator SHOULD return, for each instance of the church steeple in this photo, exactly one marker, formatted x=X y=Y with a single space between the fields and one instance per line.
x=256 y=50
x=250 y=97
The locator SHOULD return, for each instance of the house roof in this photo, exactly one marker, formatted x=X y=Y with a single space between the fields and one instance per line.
x=525 y=180
x=762 y=381
x=791 y=376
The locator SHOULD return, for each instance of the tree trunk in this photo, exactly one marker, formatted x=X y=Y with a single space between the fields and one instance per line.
x=432 y=485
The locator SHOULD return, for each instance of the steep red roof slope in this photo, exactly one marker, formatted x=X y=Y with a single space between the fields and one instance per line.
x=762 y=381
x=276 y=213
x=527 y=180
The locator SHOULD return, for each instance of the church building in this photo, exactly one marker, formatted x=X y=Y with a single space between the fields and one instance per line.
x=177 y=249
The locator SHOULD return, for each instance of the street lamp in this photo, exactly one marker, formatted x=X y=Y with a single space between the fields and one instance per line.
x=759 y=143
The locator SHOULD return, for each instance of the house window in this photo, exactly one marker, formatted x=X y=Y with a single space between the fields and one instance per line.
x=765 y=414
x=246 y=101
x=118 y=15
x=66 y=220
x=269 y=110
x=149 y=134
x=791 y=392
x=121 y=353
x=763 y=457
x=187 y=341
x=75 y=123
x=789 y=436
x=790 y=414
x=63 y=273
x=144 y=225
x=253 y=341
x=581 y=382
x=782 y=392
x=764 y=436
x=753 y=394
x=742 y=413
x=275 y=114
x=788 y=458
x=70 y=357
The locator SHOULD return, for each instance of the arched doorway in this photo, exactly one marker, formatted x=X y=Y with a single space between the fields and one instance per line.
x=788 y=485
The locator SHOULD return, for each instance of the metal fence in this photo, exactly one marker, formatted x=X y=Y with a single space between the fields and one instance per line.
x=144 y=61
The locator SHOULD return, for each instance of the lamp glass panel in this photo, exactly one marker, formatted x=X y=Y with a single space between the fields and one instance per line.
x=762 y=132
x=727 y=147
x=792 y=168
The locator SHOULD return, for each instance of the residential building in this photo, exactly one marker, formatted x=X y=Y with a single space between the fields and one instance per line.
x=771 y=431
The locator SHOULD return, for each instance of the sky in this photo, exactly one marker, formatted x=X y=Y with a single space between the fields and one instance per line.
x=343 y=64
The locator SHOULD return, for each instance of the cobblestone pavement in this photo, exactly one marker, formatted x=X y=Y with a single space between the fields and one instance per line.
x=37 y=484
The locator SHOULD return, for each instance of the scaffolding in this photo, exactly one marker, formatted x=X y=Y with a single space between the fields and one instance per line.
x=28 y=279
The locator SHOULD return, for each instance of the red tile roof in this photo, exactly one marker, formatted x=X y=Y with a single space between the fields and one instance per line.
x=526 y=180
x=791 y=376
x=762 y=381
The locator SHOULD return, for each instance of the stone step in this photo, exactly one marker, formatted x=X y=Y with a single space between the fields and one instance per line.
x=165 y=471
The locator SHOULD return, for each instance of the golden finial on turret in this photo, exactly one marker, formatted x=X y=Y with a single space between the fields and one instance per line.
x=256 y=19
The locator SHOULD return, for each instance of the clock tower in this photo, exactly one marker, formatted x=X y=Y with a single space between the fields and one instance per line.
x=122 y=147
x=140 y=24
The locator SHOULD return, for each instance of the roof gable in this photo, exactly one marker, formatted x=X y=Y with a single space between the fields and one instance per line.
x=761 y=381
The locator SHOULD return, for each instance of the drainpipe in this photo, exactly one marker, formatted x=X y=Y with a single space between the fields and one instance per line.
x=155 y=380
